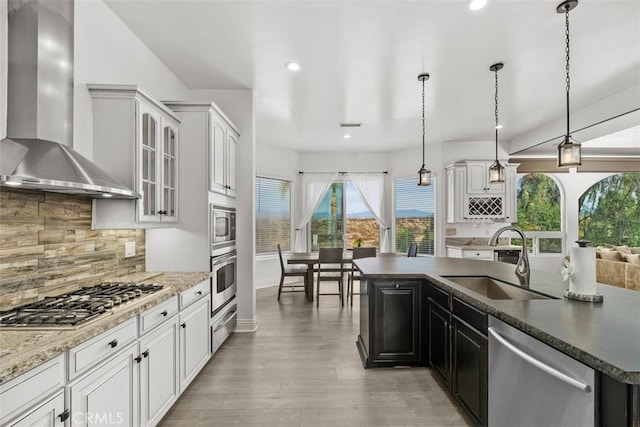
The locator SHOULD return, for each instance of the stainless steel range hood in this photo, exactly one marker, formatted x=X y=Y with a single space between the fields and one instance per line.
x=38 y=153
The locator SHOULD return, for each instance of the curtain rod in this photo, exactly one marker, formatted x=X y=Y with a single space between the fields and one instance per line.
x=342 y=173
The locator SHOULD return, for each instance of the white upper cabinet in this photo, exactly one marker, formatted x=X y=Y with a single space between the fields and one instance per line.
x=223 y=155
x=470 y=194
x=136 y=140
x=478 y=179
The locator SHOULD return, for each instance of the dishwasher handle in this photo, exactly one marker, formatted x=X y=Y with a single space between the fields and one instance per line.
x=540 y=365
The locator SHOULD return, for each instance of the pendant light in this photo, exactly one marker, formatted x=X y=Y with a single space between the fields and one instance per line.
x=569 y=150
x=496 y=171
x=424 y=174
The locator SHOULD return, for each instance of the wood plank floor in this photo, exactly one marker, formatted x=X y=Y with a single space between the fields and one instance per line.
x=302 y=368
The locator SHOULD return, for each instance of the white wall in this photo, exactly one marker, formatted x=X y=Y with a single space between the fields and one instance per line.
x=107 y=51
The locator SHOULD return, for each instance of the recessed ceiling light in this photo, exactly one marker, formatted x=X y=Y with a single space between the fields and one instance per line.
x=293 y=66
x=13 y=183
x=347 y=136
x=477 y=4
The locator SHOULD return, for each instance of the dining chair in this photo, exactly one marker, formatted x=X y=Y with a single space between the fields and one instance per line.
x=330 y=268
x=354 y=274
x=291 y=271
x=413 y=250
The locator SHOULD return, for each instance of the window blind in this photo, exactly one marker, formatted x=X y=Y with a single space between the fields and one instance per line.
x=273 y=215
x=415 y=216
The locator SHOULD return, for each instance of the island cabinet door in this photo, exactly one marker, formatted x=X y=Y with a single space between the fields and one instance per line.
x=439 y=340
x=470 y=369
x=395 y=323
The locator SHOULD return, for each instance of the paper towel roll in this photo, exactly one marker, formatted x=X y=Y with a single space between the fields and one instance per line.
x=583 y=279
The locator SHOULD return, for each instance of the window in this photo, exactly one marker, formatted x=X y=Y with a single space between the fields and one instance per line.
x=273 y=215
x=415 y=216
x=539 y=213
x=609 y=211
x=362 y=227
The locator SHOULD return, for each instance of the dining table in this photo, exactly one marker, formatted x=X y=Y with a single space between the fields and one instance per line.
x=311 y=259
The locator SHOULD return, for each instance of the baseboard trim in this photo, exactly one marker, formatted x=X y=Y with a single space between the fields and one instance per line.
x=247 y=325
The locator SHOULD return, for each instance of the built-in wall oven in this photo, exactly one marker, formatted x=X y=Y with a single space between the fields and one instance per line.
x=223 y=229
x=223 y=280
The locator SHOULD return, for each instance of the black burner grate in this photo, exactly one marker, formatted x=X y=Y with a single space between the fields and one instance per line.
x=76 y=307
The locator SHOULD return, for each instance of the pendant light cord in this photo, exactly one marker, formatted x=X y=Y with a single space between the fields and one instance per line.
x=496 y=112
x=568 y=79
x=423 y=123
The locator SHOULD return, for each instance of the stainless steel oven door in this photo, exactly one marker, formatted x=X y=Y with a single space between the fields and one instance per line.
x=223 y=280
x=223 y=325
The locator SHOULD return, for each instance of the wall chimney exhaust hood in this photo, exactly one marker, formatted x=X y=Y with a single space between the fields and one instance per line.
x=37 y=153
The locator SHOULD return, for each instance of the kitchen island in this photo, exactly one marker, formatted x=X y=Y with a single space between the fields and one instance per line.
x=604 y=336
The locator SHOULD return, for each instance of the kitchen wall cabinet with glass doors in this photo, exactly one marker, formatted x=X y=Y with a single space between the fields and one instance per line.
x=136 y=140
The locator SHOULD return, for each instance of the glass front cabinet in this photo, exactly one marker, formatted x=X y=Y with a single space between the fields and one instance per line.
x=136 y=140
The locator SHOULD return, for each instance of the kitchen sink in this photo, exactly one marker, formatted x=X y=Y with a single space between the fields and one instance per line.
x=494 y=289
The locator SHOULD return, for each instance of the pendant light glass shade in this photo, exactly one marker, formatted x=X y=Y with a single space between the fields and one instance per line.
x=496 y=170
x=424 y=174
x=569 y=151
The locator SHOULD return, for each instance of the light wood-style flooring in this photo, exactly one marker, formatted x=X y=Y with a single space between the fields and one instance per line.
x=302 y=368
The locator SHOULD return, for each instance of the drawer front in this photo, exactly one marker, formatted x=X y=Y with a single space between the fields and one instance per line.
x=193 y=294
x=439 y=296
x=158 y=314
x=223 y=326
x=20 y=393
x=88 y=354
x=471 y=315
x=488 y=255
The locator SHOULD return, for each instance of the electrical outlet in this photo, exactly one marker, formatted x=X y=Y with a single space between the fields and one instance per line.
x=129 y=249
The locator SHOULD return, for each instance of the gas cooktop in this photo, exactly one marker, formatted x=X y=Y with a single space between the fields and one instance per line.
x=75 y=308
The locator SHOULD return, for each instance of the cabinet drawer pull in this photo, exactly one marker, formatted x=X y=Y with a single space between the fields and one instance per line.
x=184 y=325
x=64 y=415
x=138 y=359
x=145 y=354
x=199 y=293
x=164 y=313
x=113 y=343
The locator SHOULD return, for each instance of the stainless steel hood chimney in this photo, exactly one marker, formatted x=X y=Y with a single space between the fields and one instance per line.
x=38 y=153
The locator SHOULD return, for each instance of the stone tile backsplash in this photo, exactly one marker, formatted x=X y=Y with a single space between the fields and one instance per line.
x=47 y=246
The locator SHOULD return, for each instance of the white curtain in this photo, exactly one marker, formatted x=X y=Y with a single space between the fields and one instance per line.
x=314 y=187
x=371 y=189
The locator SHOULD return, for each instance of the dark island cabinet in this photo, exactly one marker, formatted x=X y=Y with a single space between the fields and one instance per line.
x=440 y=340
x=469 y=382
x=394 y=324
x=458 y=350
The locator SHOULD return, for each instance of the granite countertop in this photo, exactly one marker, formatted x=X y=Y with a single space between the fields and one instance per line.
x=604 y=336
x=24 y=349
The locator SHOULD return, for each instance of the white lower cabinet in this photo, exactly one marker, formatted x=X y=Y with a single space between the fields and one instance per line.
x=158 y=372
x=126 y=376
x=108 y=394
x=195 y=341
x=50 y=413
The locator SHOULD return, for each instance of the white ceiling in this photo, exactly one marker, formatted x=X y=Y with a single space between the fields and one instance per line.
x=361 y=60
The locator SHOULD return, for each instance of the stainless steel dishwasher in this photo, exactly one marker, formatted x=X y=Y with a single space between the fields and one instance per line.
x=533 y=384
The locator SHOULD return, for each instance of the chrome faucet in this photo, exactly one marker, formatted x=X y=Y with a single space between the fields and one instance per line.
x=523 y=272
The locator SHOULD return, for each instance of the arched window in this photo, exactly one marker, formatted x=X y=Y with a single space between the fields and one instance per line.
x=609 y=211
x=540 y=213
